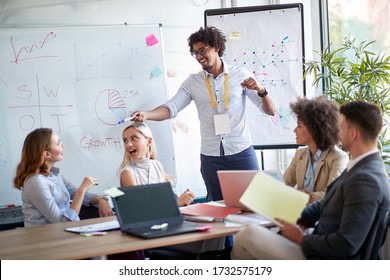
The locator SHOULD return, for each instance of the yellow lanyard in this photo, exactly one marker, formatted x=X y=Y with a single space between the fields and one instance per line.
x=226 y=97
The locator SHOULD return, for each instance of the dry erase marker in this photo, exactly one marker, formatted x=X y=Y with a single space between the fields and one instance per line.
x=126 y=120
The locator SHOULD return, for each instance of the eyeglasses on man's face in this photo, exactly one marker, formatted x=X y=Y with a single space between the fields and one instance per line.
x=201 y=51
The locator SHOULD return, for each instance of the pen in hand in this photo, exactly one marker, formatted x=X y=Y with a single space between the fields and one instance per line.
x=126 y=120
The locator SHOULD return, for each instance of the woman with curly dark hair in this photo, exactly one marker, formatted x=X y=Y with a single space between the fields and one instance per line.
x=317 y=164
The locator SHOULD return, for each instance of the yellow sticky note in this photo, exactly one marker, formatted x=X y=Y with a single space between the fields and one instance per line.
x=234 y=35
x=272 y=199
x=114 y=192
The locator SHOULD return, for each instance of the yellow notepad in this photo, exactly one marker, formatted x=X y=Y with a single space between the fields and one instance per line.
x=272 y=199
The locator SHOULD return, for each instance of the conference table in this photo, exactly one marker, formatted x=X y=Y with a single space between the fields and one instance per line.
x=53 y=242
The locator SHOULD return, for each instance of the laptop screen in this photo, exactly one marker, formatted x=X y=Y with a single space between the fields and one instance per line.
x=147 y=203
x=233 y=184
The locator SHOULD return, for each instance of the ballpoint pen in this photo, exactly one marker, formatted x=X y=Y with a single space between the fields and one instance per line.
x=125 y=120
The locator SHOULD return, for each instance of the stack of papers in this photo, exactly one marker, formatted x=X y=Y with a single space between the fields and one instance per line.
x=249 y=218
x=95 y=227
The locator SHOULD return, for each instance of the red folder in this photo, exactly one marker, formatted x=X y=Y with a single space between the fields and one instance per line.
x=202 y=209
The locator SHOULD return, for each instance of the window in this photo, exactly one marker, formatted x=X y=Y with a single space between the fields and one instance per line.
x=365 y=20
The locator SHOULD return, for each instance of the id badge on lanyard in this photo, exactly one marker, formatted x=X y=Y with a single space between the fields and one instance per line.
x=221 y=121
x=222 y=124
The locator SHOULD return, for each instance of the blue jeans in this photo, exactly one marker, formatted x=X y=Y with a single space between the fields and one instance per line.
x=245 y=160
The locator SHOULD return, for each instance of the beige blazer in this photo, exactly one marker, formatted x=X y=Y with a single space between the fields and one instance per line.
x=330 y=165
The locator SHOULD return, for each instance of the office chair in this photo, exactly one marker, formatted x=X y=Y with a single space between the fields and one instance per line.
x=375 y=237
x=88 y=212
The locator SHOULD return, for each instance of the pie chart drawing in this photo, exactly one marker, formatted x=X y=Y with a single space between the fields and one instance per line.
x=282 y=117
x=110 y=107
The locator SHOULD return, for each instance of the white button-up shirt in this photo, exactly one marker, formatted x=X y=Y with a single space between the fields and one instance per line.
x=195 y=88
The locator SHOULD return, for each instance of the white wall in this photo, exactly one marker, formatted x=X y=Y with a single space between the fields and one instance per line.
x=179 y=19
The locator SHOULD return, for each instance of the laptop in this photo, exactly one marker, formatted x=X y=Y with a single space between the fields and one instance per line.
x=233 y=184
x=151 y=211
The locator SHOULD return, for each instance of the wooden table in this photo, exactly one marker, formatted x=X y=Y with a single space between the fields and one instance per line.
x=53 y=242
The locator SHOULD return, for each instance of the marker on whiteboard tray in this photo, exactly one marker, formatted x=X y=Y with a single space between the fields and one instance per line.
x=126 y=120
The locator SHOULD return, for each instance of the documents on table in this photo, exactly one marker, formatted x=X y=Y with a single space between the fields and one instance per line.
x=95 y=227
x=249 y=218
x=208 y=210
x=204 y=219
x=272 y=199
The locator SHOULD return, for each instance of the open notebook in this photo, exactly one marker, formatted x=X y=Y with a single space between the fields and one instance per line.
x=272 y=199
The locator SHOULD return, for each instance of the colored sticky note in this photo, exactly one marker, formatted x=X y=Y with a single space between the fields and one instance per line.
x=234 y=35
x=156 y=71
x=162 y=226
x=114 y=192
x=151 y=40
x=203 y=228
x=97 y=233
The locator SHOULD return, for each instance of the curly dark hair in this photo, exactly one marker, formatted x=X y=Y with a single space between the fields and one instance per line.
x=209 y=35
x=321 y=118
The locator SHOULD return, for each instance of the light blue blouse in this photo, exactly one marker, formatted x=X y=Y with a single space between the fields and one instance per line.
x=311 y=170
x=46 y=199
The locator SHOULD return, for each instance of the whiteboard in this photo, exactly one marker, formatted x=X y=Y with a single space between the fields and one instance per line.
x=268 y=40
x=79 y=81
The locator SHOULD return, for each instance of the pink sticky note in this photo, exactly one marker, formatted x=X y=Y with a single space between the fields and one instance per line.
x=151 y=40
x=203 y=228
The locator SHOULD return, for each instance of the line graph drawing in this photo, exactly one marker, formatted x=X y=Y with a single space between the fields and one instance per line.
x=107 y=63
x=267 y=63
x=3 y=82
x=31 y=51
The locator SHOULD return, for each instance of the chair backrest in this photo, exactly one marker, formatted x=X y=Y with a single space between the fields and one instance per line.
x=375 y=237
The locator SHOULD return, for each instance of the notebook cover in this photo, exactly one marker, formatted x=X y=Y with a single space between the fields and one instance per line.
x=272 y=199
x=202 y=209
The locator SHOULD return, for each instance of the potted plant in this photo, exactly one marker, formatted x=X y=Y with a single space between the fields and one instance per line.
x=352 y=72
